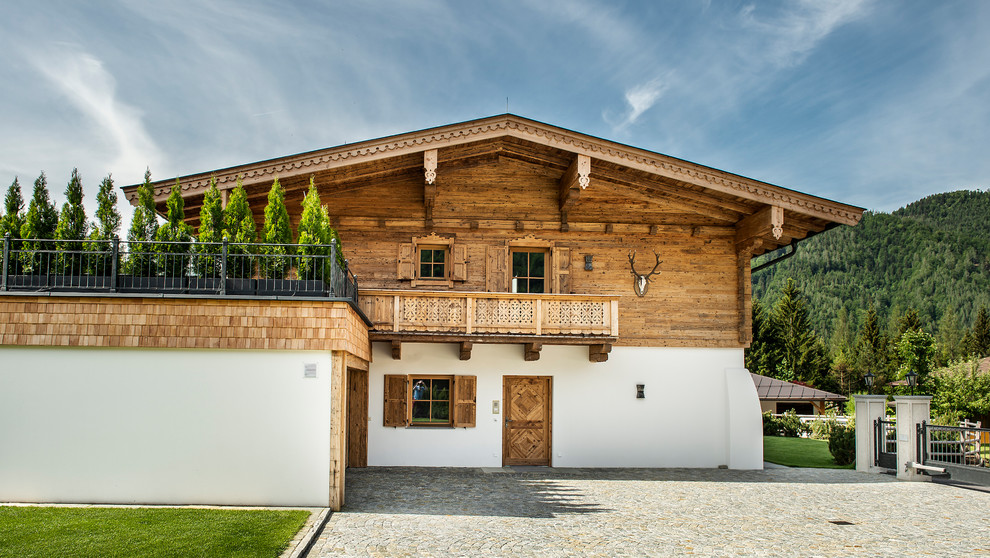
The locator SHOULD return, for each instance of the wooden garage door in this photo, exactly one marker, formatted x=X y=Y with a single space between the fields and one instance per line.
x=526 y=430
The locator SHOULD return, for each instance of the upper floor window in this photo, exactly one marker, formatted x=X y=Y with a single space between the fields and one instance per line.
x=529 y=270
x=432 y=262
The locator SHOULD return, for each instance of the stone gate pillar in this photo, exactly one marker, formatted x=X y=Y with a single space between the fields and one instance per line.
x=911 y=411
x=868 y=409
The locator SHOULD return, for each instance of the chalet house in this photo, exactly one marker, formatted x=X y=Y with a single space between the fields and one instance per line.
x=528 y=295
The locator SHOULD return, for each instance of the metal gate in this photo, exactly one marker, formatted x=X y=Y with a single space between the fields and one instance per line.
x=885 y=443
x=963 y=451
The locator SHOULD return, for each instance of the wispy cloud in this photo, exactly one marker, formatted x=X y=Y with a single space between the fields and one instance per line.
x=641 y=98
x=784 y=38
x=85 y=82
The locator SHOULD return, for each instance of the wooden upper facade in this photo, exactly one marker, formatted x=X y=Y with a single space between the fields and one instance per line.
x=484 y=196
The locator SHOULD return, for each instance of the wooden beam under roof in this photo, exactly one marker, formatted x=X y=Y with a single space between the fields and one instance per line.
x=767 y=221
x=576 y=178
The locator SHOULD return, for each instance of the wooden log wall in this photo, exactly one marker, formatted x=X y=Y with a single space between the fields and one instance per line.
x=694 y=302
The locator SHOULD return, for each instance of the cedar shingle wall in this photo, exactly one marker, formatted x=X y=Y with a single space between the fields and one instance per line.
x=182 y=323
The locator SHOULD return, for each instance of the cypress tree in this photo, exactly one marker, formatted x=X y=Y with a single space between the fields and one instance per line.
x=104 y=229
x=39 y=225
x=210 y=231
x=11 y=223
x=240 y=230
x=314 y=234
x=277 y=230
x=144 y=229
x=72 y=226
x=174 y=236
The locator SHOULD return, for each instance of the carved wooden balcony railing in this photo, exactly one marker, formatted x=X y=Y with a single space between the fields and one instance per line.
x=469 y=313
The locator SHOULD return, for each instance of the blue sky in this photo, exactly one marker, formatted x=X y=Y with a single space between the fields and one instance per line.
x=871 y=103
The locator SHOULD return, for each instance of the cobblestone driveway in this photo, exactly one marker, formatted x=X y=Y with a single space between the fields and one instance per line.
x=651 y=512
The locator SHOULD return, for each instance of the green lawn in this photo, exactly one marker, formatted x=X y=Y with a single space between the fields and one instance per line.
x=799 y=452
x=100 y=532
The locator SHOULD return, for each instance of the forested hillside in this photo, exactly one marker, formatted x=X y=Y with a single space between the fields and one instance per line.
x=932 y=256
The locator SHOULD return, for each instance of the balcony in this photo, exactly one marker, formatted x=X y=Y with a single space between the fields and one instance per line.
x=471 y=317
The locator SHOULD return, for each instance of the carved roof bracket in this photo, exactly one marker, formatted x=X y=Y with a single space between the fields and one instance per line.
x=430 y=165
x=766 y=221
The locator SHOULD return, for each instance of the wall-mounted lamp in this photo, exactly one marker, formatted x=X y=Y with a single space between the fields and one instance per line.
x=640 y=391
x=587 y=262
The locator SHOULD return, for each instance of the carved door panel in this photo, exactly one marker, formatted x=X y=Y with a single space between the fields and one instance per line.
x=527 y=423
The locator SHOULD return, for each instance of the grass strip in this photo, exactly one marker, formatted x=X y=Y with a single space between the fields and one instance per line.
x=28 y=531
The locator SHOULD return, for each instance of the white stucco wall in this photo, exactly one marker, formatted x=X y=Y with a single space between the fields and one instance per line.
x=164 y=426
x=697 y=412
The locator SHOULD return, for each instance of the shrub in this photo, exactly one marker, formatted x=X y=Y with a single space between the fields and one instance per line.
x=787 y=424
x=770 y=427
x=842 y=444
x=790 y=425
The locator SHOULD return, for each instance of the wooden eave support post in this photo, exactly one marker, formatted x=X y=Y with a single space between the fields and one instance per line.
x=533 y=351
x=466 y=347
x=744 y=253
x=599 y=353
x=396 y=350
x=577 y=177
x=430 y=187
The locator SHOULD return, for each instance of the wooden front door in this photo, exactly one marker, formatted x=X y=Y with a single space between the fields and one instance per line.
x=526 y=426
x=357 y=418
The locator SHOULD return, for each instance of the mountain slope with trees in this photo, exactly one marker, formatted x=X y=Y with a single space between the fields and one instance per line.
x=932 y=256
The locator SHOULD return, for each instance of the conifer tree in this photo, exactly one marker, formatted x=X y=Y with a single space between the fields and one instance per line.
x=72 y=226
x=872 y=348
x=240 y=230
x=13 y=211
x=39 y=225
x=210 y=231
x=104 y=229
x=763 y=353
x=980 y=336
x=799 y=351
x=908 y=322
x=12 y=221
x=949 y=339
x=144 y=229
x=174 y=236
x=314 y=236
x=275 y=262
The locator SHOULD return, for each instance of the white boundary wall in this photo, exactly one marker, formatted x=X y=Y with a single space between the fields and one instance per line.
x=169 y=426
x=701 y=407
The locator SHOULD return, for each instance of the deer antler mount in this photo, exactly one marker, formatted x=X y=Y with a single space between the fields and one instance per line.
x=641 y=283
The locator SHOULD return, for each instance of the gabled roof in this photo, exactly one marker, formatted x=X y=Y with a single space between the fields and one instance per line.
x=773 y=389
x=645 y=175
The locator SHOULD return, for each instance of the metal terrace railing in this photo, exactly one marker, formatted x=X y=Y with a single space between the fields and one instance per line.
x=180 y=268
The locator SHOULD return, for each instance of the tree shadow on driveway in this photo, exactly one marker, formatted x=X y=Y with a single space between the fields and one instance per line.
x=537 y=491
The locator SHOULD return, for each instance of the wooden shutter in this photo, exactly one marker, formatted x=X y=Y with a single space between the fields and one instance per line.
x=395 y=400
x=497 y=269
x=465 y=393
x=458 y=257
x=406 y=267
x=561 y=270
